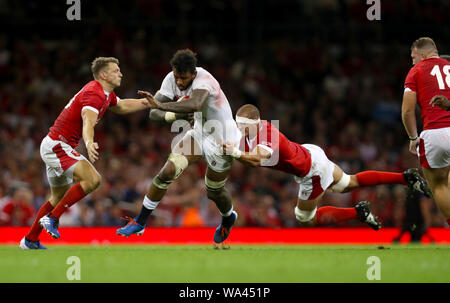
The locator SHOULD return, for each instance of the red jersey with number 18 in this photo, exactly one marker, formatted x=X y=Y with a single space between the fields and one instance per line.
x=69 y=124
x=428 y=78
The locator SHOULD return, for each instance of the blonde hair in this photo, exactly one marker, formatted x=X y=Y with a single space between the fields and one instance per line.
x=100 y=63
x=424 y=43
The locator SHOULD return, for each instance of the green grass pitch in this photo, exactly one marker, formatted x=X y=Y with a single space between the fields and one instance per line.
x=240 y=263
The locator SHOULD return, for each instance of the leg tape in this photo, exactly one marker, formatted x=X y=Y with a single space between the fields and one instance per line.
x=180 y=162
x=342 y=184
x=214 y=185
x=305 y=215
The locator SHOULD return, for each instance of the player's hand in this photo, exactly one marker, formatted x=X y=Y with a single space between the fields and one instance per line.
x=413 y=145
x=440 y=101
x=227 y=148
x=151 y=101
x=92 y=151
x=189 y=117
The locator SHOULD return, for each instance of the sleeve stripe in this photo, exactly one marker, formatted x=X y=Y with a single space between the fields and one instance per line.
x=118 y=99
x=407 y=89
x=266 y=148
x=90 y=108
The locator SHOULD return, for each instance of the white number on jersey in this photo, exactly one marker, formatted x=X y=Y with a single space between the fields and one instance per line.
x=437 y=72
x=73 y=99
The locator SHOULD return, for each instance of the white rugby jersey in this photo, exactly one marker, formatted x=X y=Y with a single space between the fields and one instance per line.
x=216 y=111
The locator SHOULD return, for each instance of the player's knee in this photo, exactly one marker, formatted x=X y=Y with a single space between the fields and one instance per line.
x=168 y=172
x=305 y=217
x=176 y=164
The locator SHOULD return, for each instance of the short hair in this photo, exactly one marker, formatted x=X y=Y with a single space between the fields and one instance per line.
x=100 y=63
x=249 y=111
x=446 y=57
x=184 y=61
x=424 y=43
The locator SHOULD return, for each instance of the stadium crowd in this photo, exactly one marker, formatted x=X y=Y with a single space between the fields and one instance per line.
x=344 y=96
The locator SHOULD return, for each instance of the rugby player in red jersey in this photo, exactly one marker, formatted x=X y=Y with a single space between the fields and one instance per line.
x=263 y=144
x=65 y=165
x=428 y=85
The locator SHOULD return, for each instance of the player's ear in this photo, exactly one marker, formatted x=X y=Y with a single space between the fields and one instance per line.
x=101 y=75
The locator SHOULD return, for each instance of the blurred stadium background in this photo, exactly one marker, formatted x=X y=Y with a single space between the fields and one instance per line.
x=329 y=75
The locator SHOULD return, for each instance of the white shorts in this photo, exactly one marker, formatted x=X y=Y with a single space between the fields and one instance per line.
x=212 y=152
x=319 y=177
x=60 y=159
x=434 y=148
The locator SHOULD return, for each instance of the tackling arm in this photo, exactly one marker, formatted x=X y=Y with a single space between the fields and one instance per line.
x=252 y=159
x=127 y=106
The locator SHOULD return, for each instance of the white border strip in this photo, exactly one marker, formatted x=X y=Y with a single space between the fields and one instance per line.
x=90 y=108
x=244 y=120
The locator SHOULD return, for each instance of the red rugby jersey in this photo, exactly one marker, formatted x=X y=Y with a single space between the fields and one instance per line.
x=293 y=158
x=69 y=124
x=428 y=78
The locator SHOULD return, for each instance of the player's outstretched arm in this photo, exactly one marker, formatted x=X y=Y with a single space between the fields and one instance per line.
x=89 y=120
x=159 y=115
x=409 y=119
x=193 y=104
x=440 y=101
x=252 y=159
x=127 y=106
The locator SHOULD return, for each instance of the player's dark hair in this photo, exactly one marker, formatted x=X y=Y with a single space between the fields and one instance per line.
x=248 y=111
x=184 y=61
x=423 y=43
x=446 y=57
x=100 y=63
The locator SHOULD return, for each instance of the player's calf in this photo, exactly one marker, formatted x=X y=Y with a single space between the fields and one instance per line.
x=217 y=192
x=91 y=182
x=87 y=176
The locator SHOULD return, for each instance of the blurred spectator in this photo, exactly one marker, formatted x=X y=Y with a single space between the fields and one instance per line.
x=416 y=219
x=17 y=210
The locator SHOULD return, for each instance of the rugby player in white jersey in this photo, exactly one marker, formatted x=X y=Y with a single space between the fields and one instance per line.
x=196 y=91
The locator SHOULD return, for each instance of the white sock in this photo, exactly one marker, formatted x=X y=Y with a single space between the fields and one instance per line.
x=149 y=204
x=228 y=213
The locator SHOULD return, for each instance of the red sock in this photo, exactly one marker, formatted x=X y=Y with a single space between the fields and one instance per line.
x=371 y=177
x=33 y=234
x=72 y=196
x=330 y=215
